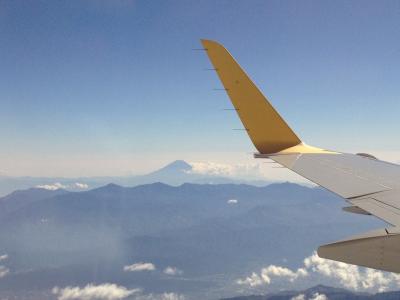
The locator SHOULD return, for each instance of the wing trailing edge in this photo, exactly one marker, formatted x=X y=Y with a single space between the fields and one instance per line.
x=378 y=249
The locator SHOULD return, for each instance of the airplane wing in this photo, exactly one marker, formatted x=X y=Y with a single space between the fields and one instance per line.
x=370 y=185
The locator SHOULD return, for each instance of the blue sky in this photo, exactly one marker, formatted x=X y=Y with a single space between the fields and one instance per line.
x=112 y=87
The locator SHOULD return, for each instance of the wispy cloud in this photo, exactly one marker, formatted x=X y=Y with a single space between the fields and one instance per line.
x=172 y=271
x=232 y=201
x=52 y=187
x=252 y=170
x=141 y=266
x=314 y=267
x=3 y=257
x=3 y=269
x=82 y=186
x=58 y=185
x=106 y=291
x=227 y=170
x=163 y=296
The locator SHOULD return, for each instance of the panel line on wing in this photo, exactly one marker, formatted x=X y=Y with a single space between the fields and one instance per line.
x=364 y=195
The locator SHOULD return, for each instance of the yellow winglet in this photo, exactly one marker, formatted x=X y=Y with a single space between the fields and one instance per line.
x=266 y=128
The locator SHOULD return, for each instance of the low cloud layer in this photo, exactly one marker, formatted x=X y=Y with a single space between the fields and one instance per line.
x=267 y=274
x=163 y=296
x=316 y=296
x=58 y=185
x=4 y=271
x=109 y=291
x=52 y=187
x=172 y=271
x=232 y=201
x=351 y=276
x=315 y=268
x=138 y=267
x=3 y=257
x=82 y=186
x=106 y=291
x=252 y=170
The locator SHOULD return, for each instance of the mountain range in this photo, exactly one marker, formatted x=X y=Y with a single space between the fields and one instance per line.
x=321 y=292
x=175 y=173
x=207 y=235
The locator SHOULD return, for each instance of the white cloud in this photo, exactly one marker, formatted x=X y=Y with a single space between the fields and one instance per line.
x=52 y=187
x=109 y=291
x=232 y=201
x=351 y=276
x=253 y=280
x=80 y=185
x=4 y=271
x=271 y=271
x=247 y=169
x=58 y=185
x=318 y=296
x=164 y=296
x=172 y=271
x=316 y=268
x=106 y=291
x=227 y=170
x=3 y=257
x=137 y=267
x=299 y=297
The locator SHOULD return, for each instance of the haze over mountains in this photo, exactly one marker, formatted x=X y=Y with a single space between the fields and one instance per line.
x=175 y=173
x=197 y=241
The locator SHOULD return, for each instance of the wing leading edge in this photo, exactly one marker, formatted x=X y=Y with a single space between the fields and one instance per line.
x=372 y=186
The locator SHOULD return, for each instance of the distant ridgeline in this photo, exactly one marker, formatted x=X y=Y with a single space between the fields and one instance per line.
x=320 y=292
x=207 y=236
x=175 y=173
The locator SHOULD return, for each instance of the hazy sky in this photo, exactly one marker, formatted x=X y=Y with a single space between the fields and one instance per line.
x=112 y=87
